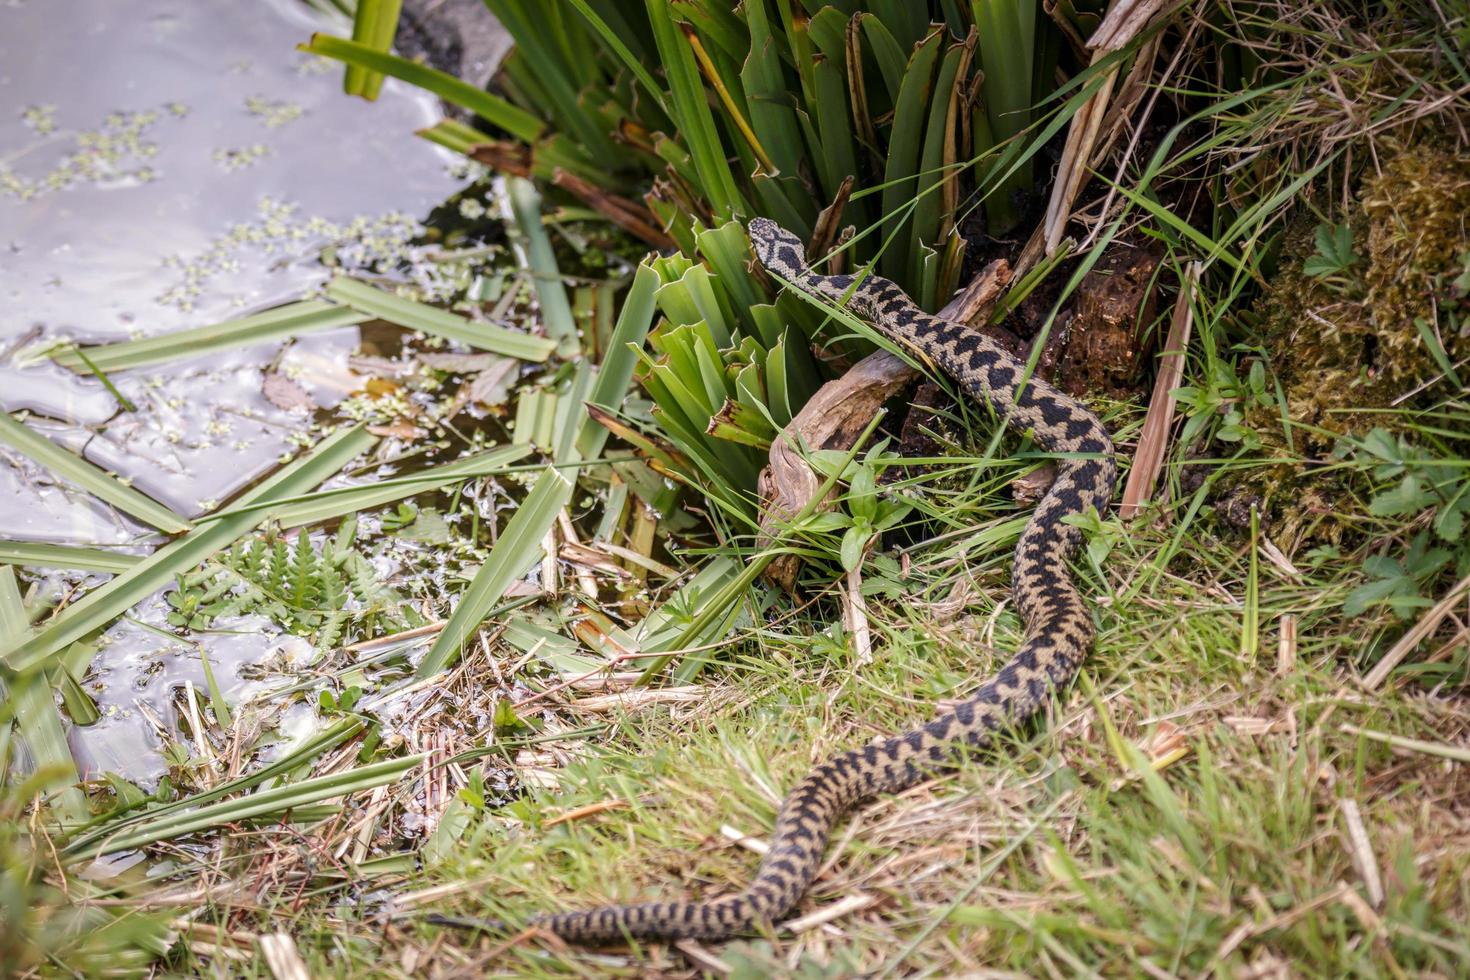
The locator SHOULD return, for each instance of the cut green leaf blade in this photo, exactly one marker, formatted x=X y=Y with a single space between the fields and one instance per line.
x=540 y=262
x=331 y=737
x=617 y=367
x=40 y=555
x=493 y=109
x=325 y=505
x=373 y=26
x=35 y=712
x=440 y=323
x=517 y=550
x=292 y=320
x=75 y=470
x=276 y=801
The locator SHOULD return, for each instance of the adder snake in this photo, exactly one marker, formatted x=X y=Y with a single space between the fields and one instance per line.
x=1059 y=630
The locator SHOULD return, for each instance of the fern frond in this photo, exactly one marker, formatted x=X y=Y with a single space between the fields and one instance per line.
x=330 y=634
x=304 y=581
x=278 y=578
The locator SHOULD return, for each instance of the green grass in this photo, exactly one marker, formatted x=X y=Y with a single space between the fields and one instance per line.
x=1231 y=855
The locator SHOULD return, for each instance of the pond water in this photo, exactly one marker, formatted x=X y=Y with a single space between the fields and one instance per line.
x=168 y=164
x=191 y=173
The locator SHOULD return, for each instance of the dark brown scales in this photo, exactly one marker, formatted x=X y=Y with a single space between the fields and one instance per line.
x=1059 y=628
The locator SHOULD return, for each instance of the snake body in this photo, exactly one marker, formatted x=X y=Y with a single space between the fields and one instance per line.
x=1059 y=629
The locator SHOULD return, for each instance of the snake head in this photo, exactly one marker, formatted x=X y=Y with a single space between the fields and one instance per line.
x=778 y=249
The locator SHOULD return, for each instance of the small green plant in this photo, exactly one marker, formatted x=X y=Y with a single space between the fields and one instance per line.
x=505 y=720
x=1417 y=488
x=849 y=534
x=473 y=793
x=1102 y=536
x=1335 y=254
x=1398 y=582
x=321 y=593
x=339 y=704
x=399 y=517
x=1218 y=405
x=199 y=599
x=1419 y=481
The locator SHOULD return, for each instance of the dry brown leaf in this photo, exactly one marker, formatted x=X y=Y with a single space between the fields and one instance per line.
x=397 y=429
x=285 y=393
x=382 y=367
x=492 y=386
x=1148 y=459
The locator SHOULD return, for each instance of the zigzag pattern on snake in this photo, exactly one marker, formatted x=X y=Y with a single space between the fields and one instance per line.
x=1059 y=629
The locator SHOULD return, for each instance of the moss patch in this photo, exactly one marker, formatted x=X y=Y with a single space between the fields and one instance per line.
x=1416 y=212
x=1343 y=349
